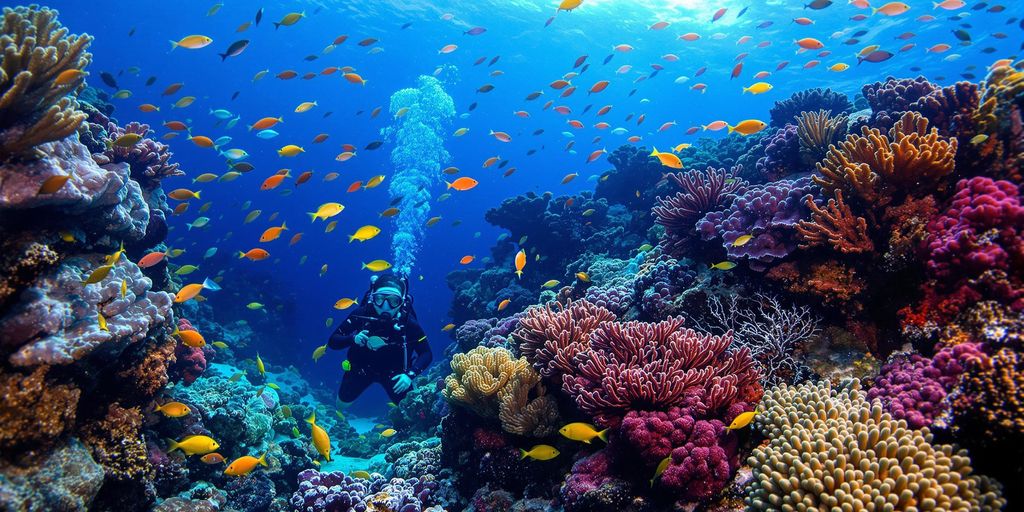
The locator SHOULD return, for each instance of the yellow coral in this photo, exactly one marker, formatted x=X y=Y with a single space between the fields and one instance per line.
x=875 y=168
x=492 y=383
x=1001 y=87
x=816 y=131
x=833 y=450
x=34 y=108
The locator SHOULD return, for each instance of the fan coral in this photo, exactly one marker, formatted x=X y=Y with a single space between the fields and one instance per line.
x=787 y=110
x=835 y=225
x=914 y=388
x=877 y=169
x=551 y=336
x=817 y=131
x=769 y=213
x=34 y=108
x=653 y=366
x=833 y=449
x=702 y=192
x=34 y=410
x=491 y=383
x=150 y=161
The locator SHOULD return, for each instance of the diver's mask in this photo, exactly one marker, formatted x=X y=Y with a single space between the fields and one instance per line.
x=386 y=303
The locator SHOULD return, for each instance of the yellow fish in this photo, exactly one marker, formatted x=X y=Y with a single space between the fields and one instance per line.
x=447 y=327
x=98 y=274
x=662 y=466
x=193 y=445
x=667 y=159
x=551 y=283
x=460 y=132
x=184 y=102
x=124 y=288
x=345 y=303
x=979 y=138
x=172 y=409
x=193 y=42
x=289 y=19
x=377 y=265
x=742 y=240
x=748 y=127
x=220 y=344
x=361 y=474
x=326 y=211
x=364 y=233
x=305 y=106
x=583 y=432
x=582 y=276
x=321 y=441
x=290 y=150
x=839 y=67
x=742 y=420
x=374 y=181
x=244 y=465
x=758 y=88
x=539 y=452
x=319 y=352
x=260 y=366
x=102 y=321
x=504 y=304
x=681 y=147
x=388 y=433
x=724 y=265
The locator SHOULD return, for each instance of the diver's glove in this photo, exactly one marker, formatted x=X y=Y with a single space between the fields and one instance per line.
x=361 y=338
x=402 y=383
x=375 y=342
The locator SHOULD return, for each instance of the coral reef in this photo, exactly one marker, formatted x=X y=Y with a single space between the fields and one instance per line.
x=149 y=160
x=336 y=492
x=34 y=106
x=701 y=193
x=861 y=454
x=551 y=336
x=34 y=410
x=786 y=111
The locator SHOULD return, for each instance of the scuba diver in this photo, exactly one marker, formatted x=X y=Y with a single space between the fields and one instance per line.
x=385 y=342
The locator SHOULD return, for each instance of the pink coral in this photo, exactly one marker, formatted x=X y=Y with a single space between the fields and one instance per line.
x=653 y=366
x=700 y=193
x=190 y=362
x=150 y=160
x=551 y=336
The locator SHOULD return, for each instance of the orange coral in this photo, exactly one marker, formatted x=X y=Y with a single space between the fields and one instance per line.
x=34 y=410
x=835 y=225
x=117 y=443
x=991 y=399
x=875 y=168
x=833 y=282
x=146 y=374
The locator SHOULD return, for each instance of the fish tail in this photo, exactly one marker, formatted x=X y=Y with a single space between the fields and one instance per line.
x=174 y=44
x=449 y=184
x=196 y=195
x=211 y=285
x=603 y=435
x=223 y=56
x=312 y=216
x=731 y=128
x=311 y=419
x=241 y=254
x=351 y=238
x=277 y=25
x=172 y=445
x=519 y=273
x=156 y=407
x=263 y=459
x=523 y=454
x=746 y=90
x=284 y=226
x=655 y=152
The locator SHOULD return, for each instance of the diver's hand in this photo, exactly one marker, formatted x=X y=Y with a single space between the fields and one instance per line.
x=402 y=383
x=362 y=337
x=375 y=342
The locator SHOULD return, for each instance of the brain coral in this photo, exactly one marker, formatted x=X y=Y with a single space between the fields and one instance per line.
x=833 y=450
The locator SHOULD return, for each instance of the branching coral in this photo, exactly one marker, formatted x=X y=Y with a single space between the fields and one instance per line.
x=492 y=383
x=833 y=449
x=817 y=131
x=34 y=108
x=34 y=410
x=550 y=336
x=653 y=366
x=835 y=225
x=701 y=192
x=876 y=169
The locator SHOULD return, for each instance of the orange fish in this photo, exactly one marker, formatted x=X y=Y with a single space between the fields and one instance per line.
x=810 y=43
x=467 y=259
x=212 y=458
x=201 y=141
x=272 y=233
x=151 y=259
x=520 y=262
x=274 y=181
x=354 y=78
x=287 y=74
x=148 y=107
x=265 y=123
x=320 y=138
x=462 y=184
x=175 y=125
x=501 y=136
x=256 y=254
x=173 y=88
x=598 y=87
x=356 y=185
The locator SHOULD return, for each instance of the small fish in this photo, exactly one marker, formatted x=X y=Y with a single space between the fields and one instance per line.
x=583 y=432
x=361 y=474
x=551 y=283
x=212 y=458
x=539 y=452
x=220 y=344
x=319 y=352
x=172 y=409
x=724 y=265
x=742 y=420
x=388 y=433
x=742 y=240
x=662 y=466
x=979 y=138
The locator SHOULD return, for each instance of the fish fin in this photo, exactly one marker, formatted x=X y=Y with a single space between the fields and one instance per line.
x=284 y=226
x=603 y=435
x=223 y=56
x=174 y=44
x=276 y=25
x=312 y=216
x=211 y=285
x=311 y=419
x=172 y=445
x=731 y=128
x=241 y=254
x=156 y=407
x=523 y=454
x=263 y=459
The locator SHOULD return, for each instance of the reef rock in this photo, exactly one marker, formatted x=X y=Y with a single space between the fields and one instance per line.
x=67 y=479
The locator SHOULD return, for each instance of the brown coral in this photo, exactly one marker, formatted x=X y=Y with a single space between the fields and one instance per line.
x=34 y=108
x=34 y=410
x=117 y=444
x=492 y=383
x=835 y=225
x=22 y=259
x=991 y=398
x=876 y=169
x=834 y=283
x=817 y=131
x=145 y=371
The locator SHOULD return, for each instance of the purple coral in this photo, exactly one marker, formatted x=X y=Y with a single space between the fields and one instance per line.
x=616 y=298
x=769 y=213
x=785 y=111
x=336 y=492
x=701 y=192
x=781 y=154
x=489 y=332
x=890 y=99
x=914 y=388
x=592 y=486
x=150 y=160
x=658 y=286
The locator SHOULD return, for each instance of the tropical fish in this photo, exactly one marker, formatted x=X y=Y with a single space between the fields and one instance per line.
x=319 y=352
x=172 y=409
x=321 y=441
x=364 y=233
x=193 y=445
x=583 y=432
x=539 y=452
x=244 y=465
x=742 y=420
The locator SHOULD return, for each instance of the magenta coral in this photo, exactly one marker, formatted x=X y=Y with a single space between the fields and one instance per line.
x=653 y=366
x=980 y=236
x=190 y=362
x=551 y=336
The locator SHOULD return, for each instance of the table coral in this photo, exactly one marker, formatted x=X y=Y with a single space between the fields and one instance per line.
x=652 y=366
x=34 y=108
x=832 y=448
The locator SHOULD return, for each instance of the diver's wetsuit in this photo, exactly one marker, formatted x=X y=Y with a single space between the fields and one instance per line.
x=407 y=351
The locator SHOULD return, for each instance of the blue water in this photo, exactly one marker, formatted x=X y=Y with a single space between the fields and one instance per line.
x=532 y=55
